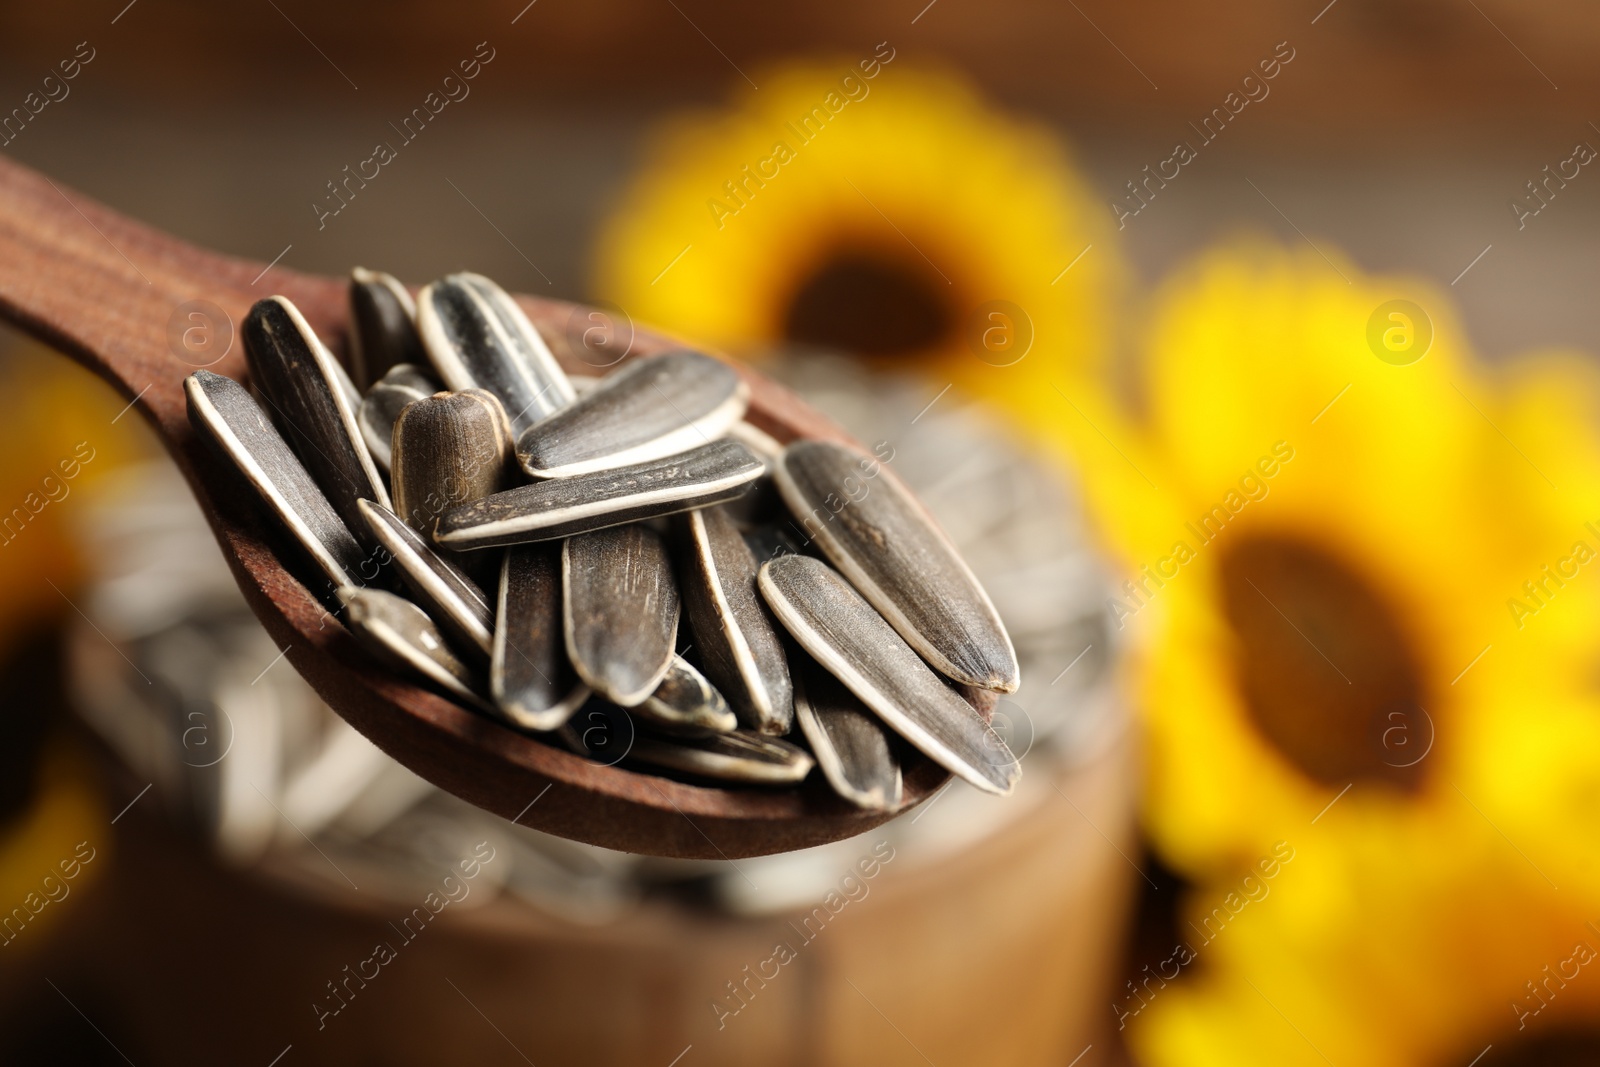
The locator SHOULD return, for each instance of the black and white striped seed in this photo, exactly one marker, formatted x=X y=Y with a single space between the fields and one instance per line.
x=309 y=397
x=224 y=413
x=647 y=410
x=619 y=611
x=403 y=637
x=563 y=507
x=381 y=407
x=851 y=744
x=383 y=323
x=449 y=449
x=531 y=680
x=686 y=704
x=452 y=599
x=882 y=539
x=733 y=633
x=845 y=635
x=477 y=337
x=734 y=757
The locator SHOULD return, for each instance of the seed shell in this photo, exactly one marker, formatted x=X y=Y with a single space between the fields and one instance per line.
x=453 y=600
x=649 y=409
x=737 y=643
x=401 y=635
x=563 y=507
x=892 y=551
x=844 y=634
x=477 y=337
x=851 y=744
x=620 y=611
x=381 y=407
x=384 y=333
x=308 y=394
x=686 y=704
x=736 y=757
x=530 y=678
x=223 y=412
x=449 y=449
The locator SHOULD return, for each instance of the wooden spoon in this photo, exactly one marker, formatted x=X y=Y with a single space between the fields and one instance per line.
x=118 y=296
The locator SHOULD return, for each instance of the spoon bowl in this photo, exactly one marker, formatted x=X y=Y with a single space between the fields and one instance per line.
x=144 y=310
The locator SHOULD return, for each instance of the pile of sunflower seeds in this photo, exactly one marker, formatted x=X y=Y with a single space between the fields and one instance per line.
x=527 y=545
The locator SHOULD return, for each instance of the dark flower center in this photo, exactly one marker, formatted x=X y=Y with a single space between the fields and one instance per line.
x=1324 y=664
x=870 y=304
x=1558 y=1048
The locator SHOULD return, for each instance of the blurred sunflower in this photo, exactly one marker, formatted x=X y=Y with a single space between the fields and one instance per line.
x=876 y=209
x=60 y=439
x=65 y=435
x=1386 y=942
x=1323 y=546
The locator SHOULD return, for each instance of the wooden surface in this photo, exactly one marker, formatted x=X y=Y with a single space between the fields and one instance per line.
x=68 y=277
x=1002 y=953
x=1361 y=63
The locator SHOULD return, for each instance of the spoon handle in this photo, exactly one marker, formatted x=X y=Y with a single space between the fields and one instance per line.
x=137 y=307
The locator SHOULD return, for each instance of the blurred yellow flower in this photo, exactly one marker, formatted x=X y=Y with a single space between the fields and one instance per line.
x=1325 y=541
x=60 y=439
x=1389 y=941
x=872 y=207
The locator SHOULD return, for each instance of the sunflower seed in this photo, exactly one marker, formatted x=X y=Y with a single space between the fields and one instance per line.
x=523 y=333
x=224 y=413
x=620 y=611
x=734 y=757
x=735 y=637
x=308 y=395
x=384 y=333
x=891 y=550
x=851 y=744
x=449 y=449
x=383 y=403
x=562 y=507
x=530 y=677
x=401 y=635
x=686 y=704
x=649 y=409
x=843 y=633
x=477 y=337
x=450 y=598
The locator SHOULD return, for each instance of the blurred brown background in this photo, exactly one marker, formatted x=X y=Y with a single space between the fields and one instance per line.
x=1400 y=132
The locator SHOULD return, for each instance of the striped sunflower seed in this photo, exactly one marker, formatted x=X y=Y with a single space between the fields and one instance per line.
x=650 y=409
x=449 y=449
x=477 y=337
x=844 y=634
x=384 y=402
x=737 y=643
x=686 y=704
x=620 y=611
x=308 y=394
x=563 y=507
x=224 y=413
x=734 y=757
x=891 y=550
x=453 y=600
x=531 y=679
x=851 y=745
x=384 y=330
x=400 y=635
